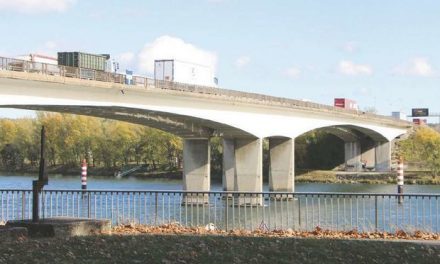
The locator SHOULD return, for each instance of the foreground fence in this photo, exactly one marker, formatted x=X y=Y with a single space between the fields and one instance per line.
x=232 y=210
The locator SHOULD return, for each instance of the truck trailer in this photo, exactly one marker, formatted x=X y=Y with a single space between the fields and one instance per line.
x=346 y=103
x=38 y=58
x=184 y=72
x=83 y=60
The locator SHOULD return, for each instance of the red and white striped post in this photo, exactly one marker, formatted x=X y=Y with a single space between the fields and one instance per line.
x=400 y=179
x=84 y=175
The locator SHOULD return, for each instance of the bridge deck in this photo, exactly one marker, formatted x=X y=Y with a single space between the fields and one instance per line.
x=76 y=76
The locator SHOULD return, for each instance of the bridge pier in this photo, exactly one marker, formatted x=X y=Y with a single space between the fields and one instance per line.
x=368 y=153
x=282 y=165
x=196 y=170
x=243 y=168
x=228 y=178
x=353 y=156
x=383 y=156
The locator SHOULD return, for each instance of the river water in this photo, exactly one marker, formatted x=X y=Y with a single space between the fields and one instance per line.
x=137 y=202
x=101 y=183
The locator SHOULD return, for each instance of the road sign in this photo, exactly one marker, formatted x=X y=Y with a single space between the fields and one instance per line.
x=420 y=112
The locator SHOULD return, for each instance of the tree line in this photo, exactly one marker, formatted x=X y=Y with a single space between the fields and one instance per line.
x=422 y=147
x=113 y=144
x=72 y=138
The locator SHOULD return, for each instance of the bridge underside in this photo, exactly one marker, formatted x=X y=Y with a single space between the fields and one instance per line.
x=182 y=126
x=242 y=152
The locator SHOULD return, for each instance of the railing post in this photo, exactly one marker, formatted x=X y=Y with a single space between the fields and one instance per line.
x=89 y=209
x=155 y=208
x=226 y=213
x=299 y=213
x=375 y=213
x=23 y=204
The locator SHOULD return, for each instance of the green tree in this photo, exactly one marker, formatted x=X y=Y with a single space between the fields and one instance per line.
x=423 y=146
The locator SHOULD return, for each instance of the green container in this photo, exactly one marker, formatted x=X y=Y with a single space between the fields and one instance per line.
x=82 y=60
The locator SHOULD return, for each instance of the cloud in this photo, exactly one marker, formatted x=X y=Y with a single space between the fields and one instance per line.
x=126 y=60
x=126 y=57
x=167 y=47
x=50 y=45
x=242 y=61
x=415 y=67
x=36 y=6
x=350 y=46
x=349 y=68
x=293 y=72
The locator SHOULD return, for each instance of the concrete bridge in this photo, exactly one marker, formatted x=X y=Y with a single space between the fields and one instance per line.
x=198 y=113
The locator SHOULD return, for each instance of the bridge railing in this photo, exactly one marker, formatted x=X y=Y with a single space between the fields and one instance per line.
x=235 y=210
x=148 y=83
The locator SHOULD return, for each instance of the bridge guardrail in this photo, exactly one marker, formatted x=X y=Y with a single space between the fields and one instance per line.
x=363 y=212
x=89 y=74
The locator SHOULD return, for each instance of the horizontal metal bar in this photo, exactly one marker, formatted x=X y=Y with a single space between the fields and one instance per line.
x=338 y=194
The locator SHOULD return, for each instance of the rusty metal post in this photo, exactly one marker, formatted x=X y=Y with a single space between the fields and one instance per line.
x=38 y=185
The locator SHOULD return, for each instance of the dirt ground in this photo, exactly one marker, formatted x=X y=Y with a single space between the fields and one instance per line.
x=135 y=245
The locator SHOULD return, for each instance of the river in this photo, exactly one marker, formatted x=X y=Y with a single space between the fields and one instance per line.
x=102 y=183
x=305 y=211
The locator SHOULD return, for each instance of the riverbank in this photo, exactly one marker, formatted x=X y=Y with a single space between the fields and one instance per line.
x=302 y=176
x=318 y=176
x=166 y=249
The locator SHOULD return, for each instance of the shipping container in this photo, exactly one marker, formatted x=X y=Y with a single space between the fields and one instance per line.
x=398 y=115
x=345 y=103
x=83 y=60
x=184 y=72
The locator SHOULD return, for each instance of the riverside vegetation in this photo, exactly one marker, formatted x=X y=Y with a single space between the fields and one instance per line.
x=110 y=145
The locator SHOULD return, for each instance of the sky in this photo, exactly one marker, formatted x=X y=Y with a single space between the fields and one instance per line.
x=383 y=54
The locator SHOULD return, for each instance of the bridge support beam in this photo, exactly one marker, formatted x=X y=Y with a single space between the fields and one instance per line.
x=282 y=165
x=243 y=168
x=383 y=156
x=196 y=170
x=353 y=156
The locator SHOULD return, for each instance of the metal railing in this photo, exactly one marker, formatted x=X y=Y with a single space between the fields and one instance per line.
x=232 y=210
x=90 y=74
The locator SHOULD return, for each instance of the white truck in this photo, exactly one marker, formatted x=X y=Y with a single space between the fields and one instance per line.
x=38 y=58
x=184 y=72
x=35 y=63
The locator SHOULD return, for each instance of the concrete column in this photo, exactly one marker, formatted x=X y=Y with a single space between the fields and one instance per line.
x=228 y=164
x=368 y=151
x=248 y=165
x=243 y=168
x=383 y=156
x=196 y=169
x=369 y=157
x=282 y=164
x=353 y=156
